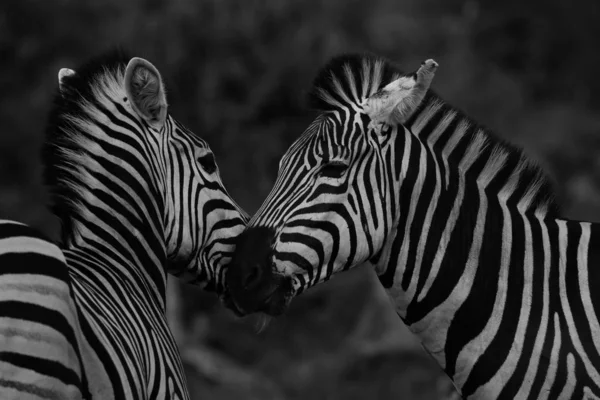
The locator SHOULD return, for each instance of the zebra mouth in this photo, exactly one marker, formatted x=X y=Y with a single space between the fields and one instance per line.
x=229 y=303
x=277 y=302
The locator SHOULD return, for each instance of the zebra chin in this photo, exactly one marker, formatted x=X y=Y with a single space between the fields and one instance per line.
x=272 y=297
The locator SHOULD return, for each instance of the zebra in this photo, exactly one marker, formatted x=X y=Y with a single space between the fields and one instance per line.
x=462 y=228
x=137 y=195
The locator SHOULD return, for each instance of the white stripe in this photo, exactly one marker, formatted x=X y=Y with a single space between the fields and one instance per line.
x=434 y=339
x=569 y=387
x=532 y=369
x=27 y=244
x=509 y=365
x=425 y=116
x=564 y=300
x=468 y=355
x=584 y=284
x=406 y=243
x=466 y=163
x=9 y=222
x=553 y=362
x=589 y=395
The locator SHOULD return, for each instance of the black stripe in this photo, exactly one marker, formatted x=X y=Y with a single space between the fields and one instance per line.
x=29 y=389
x=42 y=366
x=500 y=346
x=33 y=264
x=473 y=315
x=8 y=230
x=535 y=316
x=116 y=379
x=35 y=313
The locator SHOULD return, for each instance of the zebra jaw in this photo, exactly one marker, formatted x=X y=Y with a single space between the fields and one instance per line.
x=399 y=99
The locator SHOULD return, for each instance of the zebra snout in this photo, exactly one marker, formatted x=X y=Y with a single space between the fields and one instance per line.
x=250 y=277
x=250 y=263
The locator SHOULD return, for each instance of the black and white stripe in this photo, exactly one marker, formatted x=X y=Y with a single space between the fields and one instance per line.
x=136 y=197
x=460 y=226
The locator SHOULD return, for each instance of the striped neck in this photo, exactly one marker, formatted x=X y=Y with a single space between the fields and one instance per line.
x=495 y=285
x=119 y=225
x=447 y=163
x=459 y=187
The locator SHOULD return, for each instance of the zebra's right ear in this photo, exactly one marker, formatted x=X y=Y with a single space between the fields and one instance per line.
x=146 y=92
x=398 y=100
x=62 y=74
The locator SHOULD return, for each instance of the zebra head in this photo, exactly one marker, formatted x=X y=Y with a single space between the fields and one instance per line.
x=126 y=175
x=201 y=218
x=336 y=194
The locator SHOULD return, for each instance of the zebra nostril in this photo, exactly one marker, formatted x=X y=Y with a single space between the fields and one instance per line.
x=252 y=278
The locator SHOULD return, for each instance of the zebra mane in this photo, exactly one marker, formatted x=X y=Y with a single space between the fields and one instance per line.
x=354 y=77
x=64 y=138
x=350 y=76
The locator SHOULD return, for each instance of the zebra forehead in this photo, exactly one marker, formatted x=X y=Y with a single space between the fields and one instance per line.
x=325 y=139
x=187 y=134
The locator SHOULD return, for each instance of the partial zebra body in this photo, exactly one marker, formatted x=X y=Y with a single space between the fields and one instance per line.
x=127 y=345
x=494 y=284
x=521 y=316
x=40 y=339
x=63 y=320
x=461 y=228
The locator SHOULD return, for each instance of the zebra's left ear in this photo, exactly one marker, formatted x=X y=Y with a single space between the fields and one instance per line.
x=146 y=91
x=398 y=100
x=62 y=74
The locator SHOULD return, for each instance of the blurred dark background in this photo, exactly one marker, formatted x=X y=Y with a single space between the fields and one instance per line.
x=237 y=73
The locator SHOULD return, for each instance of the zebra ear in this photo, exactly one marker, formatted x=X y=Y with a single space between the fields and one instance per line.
x=146 y=91
x=62 y=74
x=398 y=100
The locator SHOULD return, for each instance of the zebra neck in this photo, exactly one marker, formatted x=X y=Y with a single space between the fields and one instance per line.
x=455 y=180
x=431 y=267
x=123 y=237
x=505 y=278
x=96 y=266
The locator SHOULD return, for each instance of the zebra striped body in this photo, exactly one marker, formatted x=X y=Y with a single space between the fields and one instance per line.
x=460 y=227
x=45 y=324
x=137 y=195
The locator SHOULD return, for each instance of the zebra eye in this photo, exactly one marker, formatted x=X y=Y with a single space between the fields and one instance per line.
x=386 y=129
x=333 y=170
x=207 y=162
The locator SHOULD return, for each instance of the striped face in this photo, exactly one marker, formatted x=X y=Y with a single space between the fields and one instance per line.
x=202 y=220
x=333 y=203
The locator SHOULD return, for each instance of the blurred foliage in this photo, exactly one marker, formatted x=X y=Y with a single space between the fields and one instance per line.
x=237 y=73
